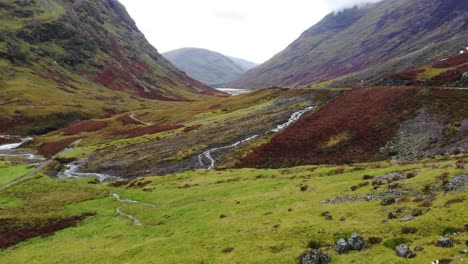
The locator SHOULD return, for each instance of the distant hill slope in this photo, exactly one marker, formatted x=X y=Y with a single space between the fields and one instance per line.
x=246 y=65
x=363 y=38
x=66 y=60
x=205 y=66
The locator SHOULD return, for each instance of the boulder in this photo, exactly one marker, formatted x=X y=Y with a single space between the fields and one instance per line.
x=356 y=242
x=314 y=256
x=342 y=246
x=416 y=212
x=445 y=242
x=418 y=248
x=402 y=250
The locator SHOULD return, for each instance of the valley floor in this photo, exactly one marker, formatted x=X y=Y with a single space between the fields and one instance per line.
x=238 y=215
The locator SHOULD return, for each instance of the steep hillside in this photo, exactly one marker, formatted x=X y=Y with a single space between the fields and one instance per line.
x=365 y=124
x=357 y=39
x=246 y=65
x=62 y=61
x=446 y=72
x=205 y=66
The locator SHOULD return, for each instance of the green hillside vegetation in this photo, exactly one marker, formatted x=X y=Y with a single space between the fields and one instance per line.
x=244 y=215
x=206 y=66
x=61 y=62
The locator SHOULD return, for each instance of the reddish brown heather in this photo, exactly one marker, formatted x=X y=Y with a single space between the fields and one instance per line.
x=369 y=117
x=452 y=61
x=137 y=132
x=12 y=233
x=451 y=76
x=84 y=126
x=49 y=149
x=408 y=75
x=127 y=120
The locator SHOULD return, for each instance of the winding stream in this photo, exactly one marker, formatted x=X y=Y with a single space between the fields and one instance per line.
x=9 y=150
x=135 y=220
x=211 y=162
x=72 y=172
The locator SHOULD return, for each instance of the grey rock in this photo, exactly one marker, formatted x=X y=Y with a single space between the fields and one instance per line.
x=445 y=242
x=342 y=219
x=387 y=201
x=457 y=183
x=402 y=250
x=411 y=254
x=416 y=212
x=314 y=256
x=329 y=218
x=418 y=248
x=356 y=242
x=342 y=246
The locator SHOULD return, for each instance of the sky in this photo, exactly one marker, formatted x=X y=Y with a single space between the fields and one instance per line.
x=253 y=30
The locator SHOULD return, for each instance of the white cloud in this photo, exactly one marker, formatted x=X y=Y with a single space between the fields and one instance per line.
x=249 y=29
x=337 y=5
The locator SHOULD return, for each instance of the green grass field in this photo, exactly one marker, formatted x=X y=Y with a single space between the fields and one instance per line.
x=234 y=216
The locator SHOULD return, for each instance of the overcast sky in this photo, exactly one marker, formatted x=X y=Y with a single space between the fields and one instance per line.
x=254 y=30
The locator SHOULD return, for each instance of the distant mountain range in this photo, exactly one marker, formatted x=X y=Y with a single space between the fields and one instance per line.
x=361 y=46
x=212 y=68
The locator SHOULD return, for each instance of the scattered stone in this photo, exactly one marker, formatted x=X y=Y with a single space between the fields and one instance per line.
x=418 y=248
x=457 y=183
x=394 y=176
x=228 y=250
x=464 y=251
x=342 y=219
x=403 y=251
x=387 y=201
x=411 y=254
x=314 y=256
x=416 y=213
x=445 y=242
x=328 y=217
x=341 y=246
x=356 y=242
x=304 y=188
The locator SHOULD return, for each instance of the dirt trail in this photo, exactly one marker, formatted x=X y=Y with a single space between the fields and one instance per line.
x=135 y=220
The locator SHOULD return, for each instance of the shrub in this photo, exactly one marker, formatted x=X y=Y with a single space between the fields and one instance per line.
x=315 y=244
x=392 y=243
x=409 y=230
x=449 y=231
x=375 y=240
x=367 y=177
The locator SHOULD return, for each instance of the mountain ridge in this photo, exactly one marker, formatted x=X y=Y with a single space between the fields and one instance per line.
x=210 y=67
x=357 y=39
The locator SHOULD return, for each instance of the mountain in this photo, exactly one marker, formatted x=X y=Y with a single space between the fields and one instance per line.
x=388 y=36
x=246 y=65
x=62 y=61
x=206 y=66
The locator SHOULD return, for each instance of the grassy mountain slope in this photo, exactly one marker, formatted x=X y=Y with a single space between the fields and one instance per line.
x=246 y=65
x=238 y=216
x=361 y=38
x=62 y=61
x=205 y=66
x=365 y=124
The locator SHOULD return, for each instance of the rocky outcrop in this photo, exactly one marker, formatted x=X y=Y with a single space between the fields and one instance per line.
x=403 y=251
x=445 y=242
x=355 y=242
x=314 y=256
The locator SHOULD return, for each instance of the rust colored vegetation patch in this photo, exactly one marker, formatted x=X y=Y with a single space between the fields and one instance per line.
x=84 y=126
x=49 y=149
x=368 y=117
x=15 y=230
